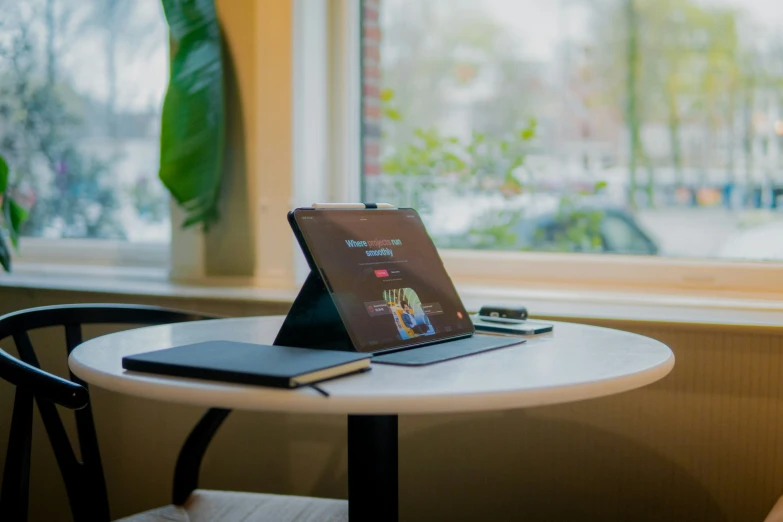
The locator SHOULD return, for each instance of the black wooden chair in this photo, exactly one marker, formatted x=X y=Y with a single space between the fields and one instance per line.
x=84 y=480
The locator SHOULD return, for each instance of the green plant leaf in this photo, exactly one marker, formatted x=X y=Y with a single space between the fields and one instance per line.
x=3 y=175
x=527 y=134
x=5 y=254
x=192 y=136
x=15 y=215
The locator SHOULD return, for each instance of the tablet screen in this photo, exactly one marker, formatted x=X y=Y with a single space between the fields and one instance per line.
x=385 y=275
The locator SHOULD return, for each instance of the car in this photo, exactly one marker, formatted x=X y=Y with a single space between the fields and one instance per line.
x=585 y=229
x=592 y=228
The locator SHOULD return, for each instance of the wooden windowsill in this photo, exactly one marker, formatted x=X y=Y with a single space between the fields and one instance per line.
x=565 y=304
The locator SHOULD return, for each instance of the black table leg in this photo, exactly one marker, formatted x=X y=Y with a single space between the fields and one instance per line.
x=372 y=468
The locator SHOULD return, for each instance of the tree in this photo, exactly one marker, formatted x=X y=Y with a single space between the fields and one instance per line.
x=632 y=96
x=682 y=67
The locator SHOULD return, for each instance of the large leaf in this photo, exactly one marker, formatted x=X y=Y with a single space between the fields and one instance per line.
x=3 y=175
x=193 y=122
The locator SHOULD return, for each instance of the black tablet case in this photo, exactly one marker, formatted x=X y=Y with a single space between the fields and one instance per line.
x=313 y=320
x=243 y=363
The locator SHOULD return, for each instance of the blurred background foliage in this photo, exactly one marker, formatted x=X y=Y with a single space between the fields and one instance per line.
x=489 y=164
x=653 y=112
x=78 y=127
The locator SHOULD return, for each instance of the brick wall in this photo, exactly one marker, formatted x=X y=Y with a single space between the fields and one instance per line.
x=371 y=86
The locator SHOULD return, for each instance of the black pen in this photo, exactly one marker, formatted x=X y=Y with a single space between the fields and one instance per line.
x=353 y=206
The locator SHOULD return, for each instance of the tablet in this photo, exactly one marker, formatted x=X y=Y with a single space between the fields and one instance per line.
x=384 y=274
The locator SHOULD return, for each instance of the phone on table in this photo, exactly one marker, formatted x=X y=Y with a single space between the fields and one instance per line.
x=514 y=327
x=508 y=320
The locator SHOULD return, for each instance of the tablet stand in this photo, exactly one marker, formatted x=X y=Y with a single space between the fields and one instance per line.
x=313 y=320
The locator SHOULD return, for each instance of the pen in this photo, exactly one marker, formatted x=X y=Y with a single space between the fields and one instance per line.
x=353 y=206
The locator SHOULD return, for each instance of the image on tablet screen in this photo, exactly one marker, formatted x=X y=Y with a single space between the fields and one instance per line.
x=407 y=313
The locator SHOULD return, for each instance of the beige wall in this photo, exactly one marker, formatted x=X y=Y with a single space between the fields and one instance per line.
x=703 y=444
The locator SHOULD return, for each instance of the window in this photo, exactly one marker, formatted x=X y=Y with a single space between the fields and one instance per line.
x=649 y=127
x=81 y=88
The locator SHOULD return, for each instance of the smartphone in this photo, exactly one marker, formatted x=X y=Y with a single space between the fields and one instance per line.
x=513 y=327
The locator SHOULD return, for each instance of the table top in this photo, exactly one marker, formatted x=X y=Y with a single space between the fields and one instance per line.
x=572 y=363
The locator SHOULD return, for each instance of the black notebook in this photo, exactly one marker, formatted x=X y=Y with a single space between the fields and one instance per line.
x=246 y=363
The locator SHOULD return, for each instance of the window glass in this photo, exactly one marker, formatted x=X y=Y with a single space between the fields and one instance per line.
x=650 y=127
x=81 y=88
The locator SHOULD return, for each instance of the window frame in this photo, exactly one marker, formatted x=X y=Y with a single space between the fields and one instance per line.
x=327 y=120
x=610 y=272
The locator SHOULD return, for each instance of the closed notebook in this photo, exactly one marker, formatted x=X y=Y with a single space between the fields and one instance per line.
x=246 y=363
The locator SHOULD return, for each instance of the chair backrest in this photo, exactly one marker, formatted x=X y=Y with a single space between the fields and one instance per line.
x=84 y=480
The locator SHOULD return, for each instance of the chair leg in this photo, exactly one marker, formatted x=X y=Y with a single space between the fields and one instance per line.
x=192 y=453
x=14 y=497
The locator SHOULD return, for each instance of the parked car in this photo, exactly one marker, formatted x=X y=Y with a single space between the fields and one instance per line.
x=593 y=228
x=616 y=232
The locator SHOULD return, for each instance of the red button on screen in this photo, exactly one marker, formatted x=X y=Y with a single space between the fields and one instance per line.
x=381 y=273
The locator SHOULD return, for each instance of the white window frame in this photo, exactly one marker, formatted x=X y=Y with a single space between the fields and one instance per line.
x=616 y=273
x=555 y=271
x=327 y=119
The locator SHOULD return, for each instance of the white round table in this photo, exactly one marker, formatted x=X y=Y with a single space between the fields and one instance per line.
x=574 y=362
